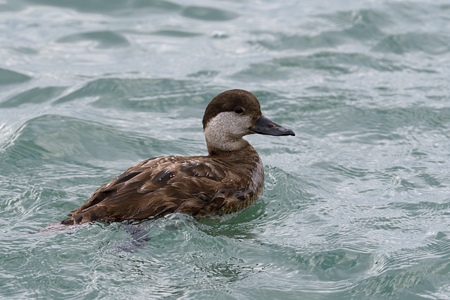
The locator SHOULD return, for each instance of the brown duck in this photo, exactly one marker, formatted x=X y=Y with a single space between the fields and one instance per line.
x=228 y=179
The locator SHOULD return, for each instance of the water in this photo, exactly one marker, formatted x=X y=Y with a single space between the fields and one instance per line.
x=356 y=206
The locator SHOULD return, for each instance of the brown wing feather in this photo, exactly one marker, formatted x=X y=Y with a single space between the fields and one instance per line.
x=163 y=185
x=197 y=185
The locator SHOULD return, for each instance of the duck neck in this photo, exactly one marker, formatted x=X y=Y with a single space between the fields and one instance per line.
x=228 y=148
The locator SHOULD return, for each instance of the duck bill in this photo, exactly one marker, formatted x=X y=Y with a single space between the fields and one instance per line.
x=266 y=126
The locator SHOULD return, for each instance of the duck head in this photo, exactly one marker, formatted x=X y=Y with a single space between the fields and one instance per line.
x=232 y=115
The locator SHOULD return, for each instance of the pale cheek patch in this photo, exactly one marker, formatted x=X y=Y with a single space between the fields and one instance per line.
x=229 y=123
x=225 y=131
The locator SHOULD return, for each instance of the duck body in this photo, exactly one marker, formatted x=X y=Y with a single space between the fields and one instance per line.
x=227 y=180
x=200 y=186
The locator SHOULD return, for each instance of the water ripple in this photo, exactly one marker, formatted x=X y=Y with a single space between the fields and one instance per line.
x=102 y=39
x=208 y=13
x=113 y=8
x=424 y=42
x=12 y=77
x=33 y=96
x=356 y=205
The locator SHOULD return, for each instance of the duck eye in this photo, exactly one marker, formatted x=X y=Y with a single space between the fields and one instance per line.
x=238 y=110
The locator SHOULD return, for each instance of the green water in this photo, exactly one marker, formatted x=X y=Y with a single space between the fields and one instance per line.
x=356 y=205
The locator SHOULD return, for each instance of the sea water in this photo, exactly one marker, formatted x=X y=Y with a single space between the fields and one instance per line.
x=356 y=205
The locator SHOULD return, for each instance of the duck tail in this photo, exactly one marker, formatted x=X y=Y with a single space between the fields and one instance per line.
x=68 y=222
x=53 y=227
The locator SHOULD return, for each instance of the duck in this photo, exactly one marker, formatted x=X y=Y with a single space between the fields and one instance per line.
x=227 y=180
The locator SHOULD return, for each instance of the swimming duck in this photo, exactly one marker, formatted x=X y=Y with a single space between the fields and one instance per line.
x=227 y=180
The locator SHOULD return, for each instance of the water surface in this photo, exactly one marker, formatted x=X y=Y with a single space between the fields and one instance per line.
x=356 y=205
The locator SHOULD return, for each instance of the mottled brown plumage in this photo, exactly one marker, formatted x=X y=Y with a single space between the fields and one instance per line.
x=228 y=179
